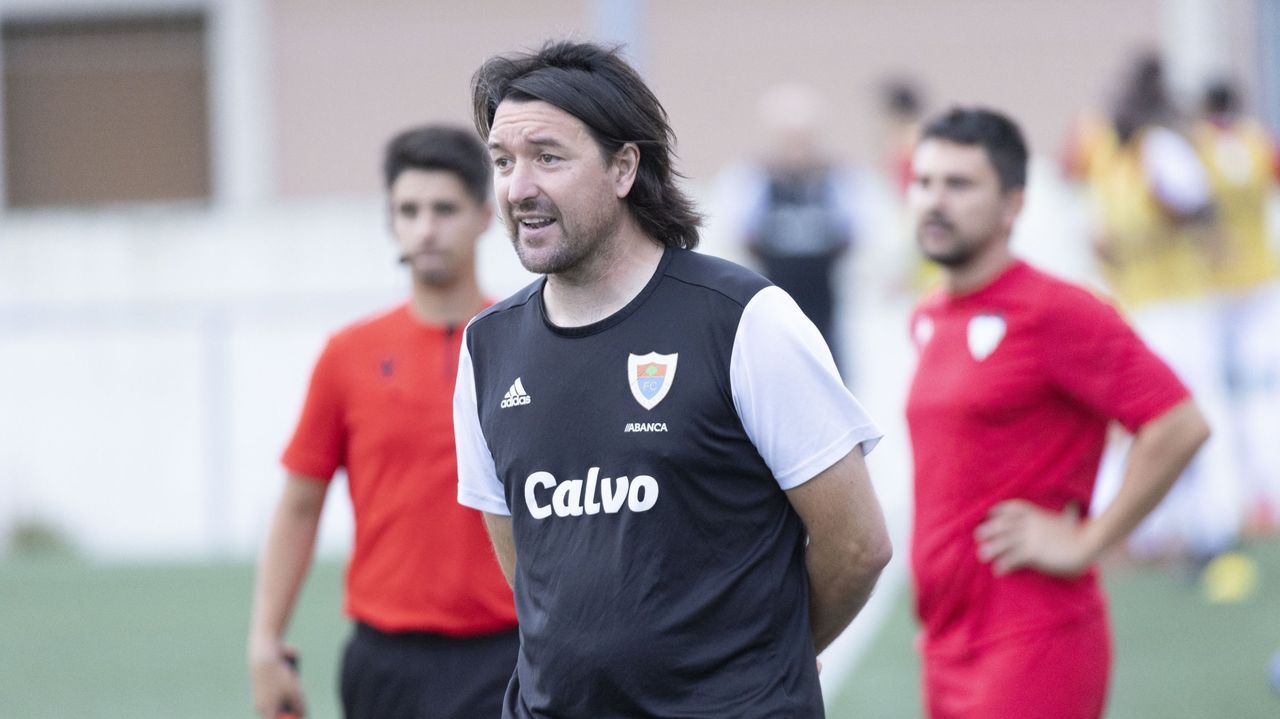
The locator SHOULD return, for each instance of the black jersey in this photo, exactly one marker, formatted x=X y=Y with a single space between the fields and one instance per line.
x=643 y=460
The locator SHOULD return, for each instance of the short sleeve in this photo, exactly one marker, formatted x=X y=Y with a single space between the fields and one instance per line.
x=319 y=443
x=478 y=483
x=788 y=392
x=1095 y=357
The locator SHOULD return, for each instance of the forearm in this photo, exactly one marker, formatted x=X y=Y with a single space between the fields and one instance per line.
x=839 y=586
x=848 y=544
x=282 y=567
x=504 y=544
x=1160 y=452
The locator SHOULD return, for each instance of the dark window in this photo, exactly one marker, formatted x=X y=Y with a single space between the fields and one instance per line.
x=105 y=110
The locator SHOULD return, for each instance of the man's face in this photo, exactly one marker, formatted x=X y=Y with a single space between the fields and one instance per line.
x=956 y=201
x=436 y=224
x=560 y=197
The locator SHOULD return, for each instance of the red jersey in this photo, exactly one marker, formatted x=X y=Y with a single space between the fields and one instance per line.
x=381 y=405
x=1015 y=386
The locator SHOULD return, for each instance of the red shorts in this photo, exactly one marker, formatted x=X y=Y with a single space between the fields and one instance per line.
x=1061 y=674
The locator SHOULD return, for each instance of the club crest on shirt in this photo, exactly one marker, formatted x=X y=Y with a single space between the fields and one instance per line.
x=985 y=333
x=650 y=377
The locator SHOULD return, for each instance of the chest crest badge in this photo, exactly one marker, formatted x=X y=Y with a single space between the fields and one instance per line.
x=651 y=376
x=985 y=333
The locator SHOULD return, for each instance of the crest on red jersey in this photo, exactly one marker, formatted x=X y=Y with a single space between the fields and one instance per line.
x=985 y=333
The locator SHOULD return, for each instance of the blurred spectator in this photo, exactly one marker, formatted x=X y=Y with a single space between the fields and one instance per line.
x=1243 y=164
x=903 y=110
x=1154 y=207
x=794 y=207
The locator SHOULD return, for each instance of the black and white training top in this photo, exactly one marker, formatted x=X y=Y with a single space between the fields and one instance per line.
x=660 y=568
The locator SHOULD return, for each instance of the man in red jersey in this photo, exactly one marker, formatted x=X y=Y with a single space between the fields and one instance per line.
x=435 y=624
x=1019 y=375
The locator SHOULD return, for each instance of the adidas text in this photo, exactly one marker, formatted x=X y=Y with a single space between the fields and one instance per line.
x=646 y=427
x=576 y=497
x=515 y=396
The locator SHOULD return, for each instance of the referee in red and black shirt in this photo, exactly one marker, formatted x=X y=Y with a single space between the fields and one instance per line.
x=434 y=622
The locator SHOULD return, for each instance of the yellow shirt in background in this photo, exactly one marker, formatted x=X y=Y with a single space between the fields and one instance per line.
x=1239 y=160
x=1153 y=256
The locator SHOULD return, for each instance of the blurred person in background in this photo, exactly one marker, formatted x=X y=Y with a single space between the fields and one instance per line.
x=434 y=619
x=796 y=208
x=1154 y=228
x=1243 y=163
x=1019 y=374
x=903 y=112
x=668 y=462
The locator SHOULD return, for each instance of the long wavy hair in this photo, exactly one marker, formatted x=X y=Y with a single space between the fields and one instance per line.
x=595 y=85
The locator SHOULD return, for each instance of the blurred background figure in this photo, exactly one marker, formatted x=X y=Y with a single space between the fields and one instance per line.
x=795 y=207
x=1243 y=164
x=1153 y=231
x=902 y=113
x=903 y=109
x=1018 y=375
x=435 y=625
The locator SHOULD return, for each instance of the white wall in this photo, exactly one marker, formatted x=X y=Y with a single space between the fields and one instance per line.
x=152 y=363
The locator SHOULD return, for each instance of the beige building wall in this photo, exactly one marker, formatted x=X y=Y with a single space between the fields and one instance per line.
x=1041 y=61
x=346 y=75
x=1243 y=53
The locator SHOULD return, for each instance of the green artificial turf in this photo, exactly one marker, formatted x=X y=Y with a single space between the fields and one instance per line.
x=78 y=640
x=163 y=641
x=1176 y=656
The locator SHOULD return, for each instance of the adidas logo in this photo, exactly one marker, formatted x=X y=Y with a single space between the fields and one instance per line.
x=516 y=395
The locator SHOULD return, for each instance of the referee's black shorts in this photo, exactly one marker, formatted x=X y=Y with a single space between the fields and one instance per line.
x=416 y=675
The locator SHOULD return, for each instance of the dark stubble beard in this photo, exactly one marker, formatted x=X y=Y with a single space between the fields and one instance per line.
x=436 y=279
x=962 y=249
x=577 y=244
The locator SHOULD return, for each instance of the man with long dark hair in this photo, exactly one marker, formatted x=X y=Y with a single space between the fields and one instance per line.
x=669 y=465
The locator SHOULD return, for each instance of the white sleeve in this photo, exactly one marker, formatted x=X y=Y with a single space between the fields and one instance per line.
x=1176 y=174
x=788 y=392
x=478 y=483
